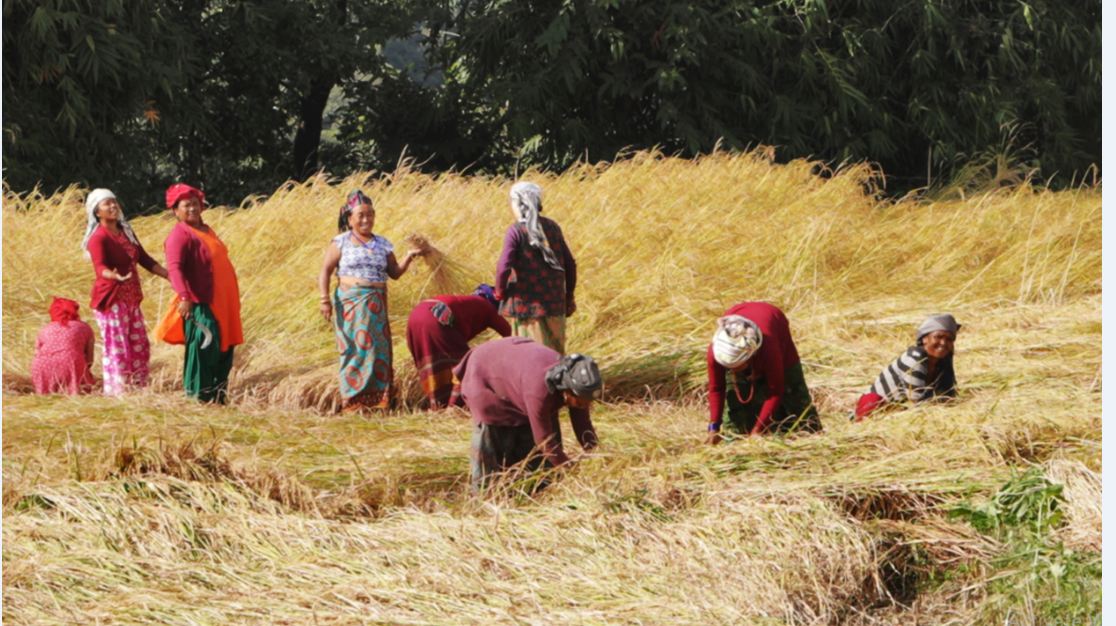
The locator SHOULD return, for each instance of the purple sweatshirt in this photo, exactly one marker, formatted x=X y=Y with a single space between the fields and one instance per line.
x=503 y=382
x=530 y=288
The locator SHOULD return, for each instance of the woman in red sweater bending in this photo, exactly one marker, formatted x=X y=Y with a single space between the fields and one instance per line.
x=63 y=352
x=114 y=249
x=766 y=389
x=438 y=334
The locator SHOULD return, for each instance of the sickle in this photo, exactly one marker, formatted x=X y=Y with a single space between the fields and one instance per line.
x=207 y=335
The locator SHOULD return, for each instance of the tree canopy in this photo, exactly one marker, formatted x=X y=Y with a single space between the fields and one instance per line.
x=241 y=96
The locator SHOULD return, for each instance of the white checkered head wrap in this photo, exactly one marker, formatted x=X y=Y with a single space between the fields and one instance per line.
x=736 y=340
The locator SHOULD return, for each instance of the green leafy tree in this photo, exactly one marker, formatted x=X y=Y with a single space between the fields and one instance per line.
x=133 y=95
x=270 y=70
x=237 y=95
x=81 y=80
x=912 y=84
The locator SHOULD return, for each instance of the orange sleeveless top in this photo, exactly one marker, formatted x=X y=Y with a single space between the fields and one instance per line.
x=226 y=299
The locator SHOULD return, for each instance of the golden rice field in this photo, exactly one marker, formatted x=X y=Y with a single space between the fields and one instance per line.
x=277 y=510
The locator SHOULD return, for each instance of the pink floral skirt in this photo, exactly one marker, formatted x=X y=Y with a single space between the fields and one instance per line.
x=126 y=351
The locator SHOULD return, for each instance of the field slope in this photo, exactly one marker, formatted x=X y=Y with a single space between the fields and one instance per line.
x=152 y=509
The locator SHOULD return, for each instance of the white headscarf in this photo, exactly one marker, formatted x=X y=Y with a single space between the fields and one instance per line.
x=736 y=340
x=526 y=199
x=94 y=198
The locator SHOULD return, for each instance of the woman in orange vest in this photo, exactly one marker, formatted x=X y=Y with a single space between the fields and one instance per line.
x=206 y=314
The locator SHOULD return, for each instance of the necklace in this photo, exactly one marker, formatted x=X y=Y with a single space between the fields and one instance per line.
x=363 y=243
x=750 y=376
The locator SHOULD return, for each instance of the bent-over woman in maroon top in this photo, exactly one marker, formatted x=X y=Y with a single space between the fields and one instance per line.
x=439 y=330
x=514 y=389
x=767 y=390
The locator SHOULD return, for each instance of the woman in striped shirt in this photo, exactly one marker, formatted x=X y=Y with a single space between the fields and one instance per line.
x=923 y=372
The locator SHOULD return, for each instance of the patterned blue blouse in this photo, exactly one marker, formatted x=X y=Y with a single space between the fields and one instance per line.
x=368 y=261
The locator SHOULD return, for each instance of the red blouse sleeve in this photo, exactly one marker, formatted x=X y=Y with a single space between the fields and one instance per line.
x=98 y=250
x=772 y=371
x=175 y=249
x=498 y=323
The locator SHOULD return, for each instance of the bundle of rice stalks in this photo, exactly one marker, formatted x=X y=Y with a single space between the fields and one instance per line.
x=447 y=275
x=207 y=464
x=1081 y=505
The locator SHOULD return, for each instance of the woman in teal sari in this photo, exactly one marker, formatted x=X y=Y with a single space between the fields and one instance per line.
x=358 y=307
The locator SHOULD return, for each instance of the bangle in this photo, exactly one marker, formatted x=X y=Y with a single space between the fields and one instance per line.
x=714 y=427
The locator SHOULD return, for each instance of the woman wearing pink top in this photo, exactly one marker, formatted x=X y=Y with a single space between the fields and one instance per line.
x=63 y=352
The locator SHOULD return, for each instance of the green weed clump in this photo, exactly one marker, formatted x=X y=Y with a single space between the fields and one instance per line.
x=1062 y=584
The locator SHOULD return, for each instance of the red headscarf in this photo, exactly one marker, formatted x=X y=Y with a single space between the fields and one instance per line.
x=179 y=191
x=63 y=310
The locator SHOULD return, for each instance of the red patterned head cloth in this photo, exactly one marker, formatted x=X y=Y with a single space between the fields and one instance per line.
x=63 y=310
x=179 y=191
x=356 y=198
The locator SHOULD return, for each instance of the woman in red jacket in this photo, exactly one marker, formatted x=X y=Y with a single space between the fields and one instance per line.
x=114 y=249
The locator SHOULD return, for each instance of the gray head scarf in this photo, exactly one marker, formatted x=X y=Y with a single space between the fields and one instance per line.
x=943 y=321
x=576 y=373
x=526 y=199
x=94 y=198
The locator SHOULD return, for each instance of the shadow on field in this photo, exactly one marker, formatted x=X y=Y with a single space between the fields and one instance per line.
x=913 y=540
x=642 y=377
x=368 y=498
x=1031 y=442
x=652 y=376
x=17 y=384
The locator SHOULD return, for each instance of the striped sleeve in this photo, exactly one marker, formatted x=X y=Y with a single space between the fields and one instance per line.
x=905 y=378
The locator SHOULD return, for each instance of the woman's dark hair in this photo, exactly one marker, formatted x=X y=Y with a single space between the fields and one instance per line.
x=354 y=199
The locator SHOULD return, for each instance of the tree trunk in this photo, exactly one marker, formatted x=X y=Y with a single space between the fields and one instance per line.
x=310 y=109
x=309 y=136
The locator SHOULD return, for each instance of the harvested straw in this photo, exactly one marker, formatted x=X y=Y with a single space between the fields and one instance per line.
x=125 y=510
x=447 y=276
x=663 y=245
x=1082 y=504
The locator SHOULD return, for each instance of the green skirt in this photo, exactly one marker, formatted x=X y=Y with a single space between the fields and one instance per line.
x=795 y=413
x=206 y=372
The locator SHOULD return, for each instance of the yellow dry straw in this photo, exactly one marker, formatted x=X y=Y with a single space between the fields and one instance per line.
x=663 y=246
x=632 y=533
